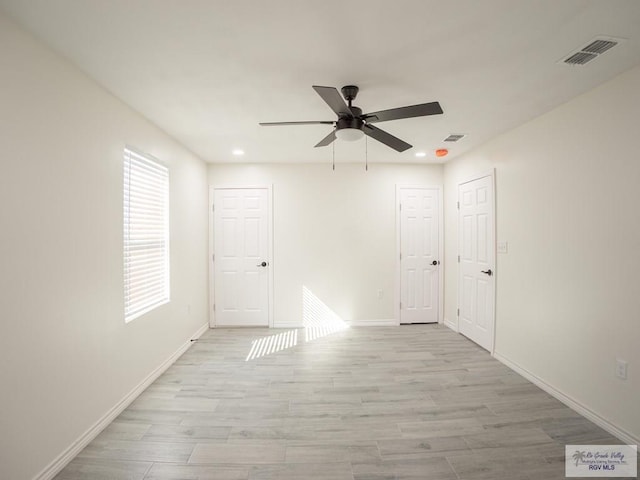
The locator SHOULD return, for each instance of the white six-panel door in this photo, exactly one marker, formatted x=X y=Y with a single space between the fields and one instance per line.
x=241 y=256
x=419 y=250
x=476 y=284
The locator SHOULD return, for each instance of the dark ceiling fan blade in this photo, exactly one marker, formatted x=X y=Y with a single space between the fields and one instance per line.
x=421 y=110
x=333 y=98
x=386 y=138
x=327 y=140
x=273 y=124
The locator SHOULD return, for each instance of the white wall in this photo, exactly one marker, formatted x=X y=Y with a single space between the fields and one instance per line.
x=334 y=233
x=66 y=354
x=568 y=298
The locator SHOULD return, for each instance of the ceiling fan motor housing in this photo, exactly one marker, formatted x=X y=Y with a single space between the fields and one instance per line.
x=349 y=122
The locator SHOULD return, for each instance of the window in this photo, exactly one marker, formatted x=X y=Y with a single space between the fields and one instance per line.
x=146 y=234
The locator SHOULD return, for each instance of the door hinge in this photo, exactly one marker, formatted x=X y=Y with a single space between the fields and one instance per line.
x=458 y=205
x=400 y=207
x=400 y=305
x=213 y=257
x=400 y=255
x=213 y=207
x=214 y=307
x=458 y=258
x=458 y=312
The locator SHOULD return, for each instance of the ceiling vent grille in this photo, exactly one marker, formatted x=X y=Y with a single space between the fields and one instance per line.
x=454 y=137
x=580 y=58
x=599 y=46
x=591 y=51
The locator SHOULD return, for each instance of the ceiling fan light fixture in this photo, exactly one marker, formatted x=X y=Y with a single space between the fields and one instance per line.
x=349 y=129
x=349 y=134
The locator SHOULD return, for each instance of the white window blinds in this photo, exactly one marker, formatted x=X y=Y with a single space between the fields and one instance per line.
x=146 y=234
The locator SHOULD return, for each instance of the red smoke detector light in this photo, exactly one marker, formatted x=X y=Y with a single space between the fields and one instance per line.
x=442 y=152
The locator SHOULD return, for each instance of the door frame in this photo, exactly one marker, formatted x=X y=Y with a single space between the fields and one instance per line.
x=210 y=261
x=492 y=174
x=398 y=286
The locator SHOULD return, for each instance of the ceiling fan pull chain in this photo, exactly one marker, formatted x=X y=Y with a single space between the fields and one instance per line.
x=333 y=149
x=366 y=154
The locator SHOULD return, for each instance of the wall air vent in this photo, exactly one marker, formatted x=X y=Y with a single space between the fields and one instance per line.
x=591 y=51
x=454 y=137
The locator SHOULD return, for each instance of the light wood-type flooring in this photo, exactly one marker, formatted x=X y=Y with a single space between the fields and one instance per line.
x=365 y=403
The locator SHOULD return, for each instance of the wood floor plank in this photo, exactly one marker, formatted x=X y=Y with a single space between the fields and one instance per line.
x=434 y=468
x=441 y=428
x=189 y=434
x=102 y=469
x=233 y=454
x=322 y=471
x=408 y=448
x=138 y=451
x=170 y=471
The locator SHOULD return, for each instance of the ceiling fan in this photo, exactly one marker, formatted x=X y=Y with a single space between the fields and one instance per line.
x=352 y=124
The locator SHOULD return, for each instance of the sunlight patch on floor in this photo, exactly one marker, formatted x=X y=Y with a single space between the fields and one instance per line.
x=318 y=320
x=272 y=344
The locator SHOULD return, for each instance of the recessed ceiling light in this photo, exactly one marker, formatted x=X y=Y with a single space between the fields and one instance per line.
x=238 y=153
x=421 y=154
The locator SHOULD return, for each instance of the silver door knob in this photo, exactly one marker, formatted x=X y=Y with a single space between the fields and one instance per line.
x=263 y=264
x=488 y=272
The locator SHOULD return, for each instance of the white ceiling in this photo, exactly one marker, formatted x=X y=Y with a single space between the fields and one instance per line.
x=207 y=71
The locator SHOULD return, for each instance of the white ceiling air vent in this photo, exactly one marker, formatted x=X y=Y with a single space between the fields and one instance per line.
x=580 y=58
x=591 y=51
x=454 y=137
x=599 y=46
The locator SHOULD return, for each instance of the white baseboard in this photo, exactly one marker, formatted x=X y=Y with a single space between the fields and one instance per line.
x=76 y=447
x=572 y=403
x=380 y=322
x=451 y=325
x=288 y=325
